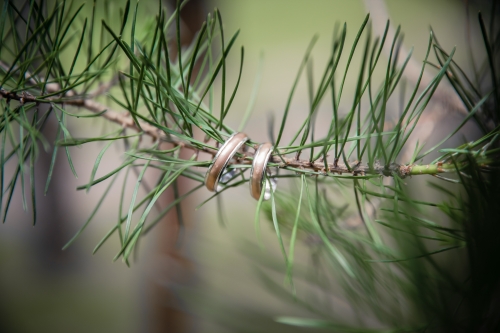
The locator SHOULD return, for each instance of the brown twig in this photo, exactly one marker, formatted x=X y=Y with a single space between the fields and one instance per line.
x=125 y=121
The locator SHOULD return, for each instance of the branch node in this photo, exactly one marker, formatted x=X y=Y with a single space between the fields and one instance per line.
x=405 y=170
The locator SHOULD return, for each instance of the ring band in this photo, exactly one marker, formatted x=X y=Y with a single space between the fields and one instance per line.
x=259 y=166
x=222 y=158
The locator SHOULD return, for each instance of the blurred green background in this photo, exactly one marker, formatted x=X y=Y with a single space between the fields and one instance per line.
x=217 y=285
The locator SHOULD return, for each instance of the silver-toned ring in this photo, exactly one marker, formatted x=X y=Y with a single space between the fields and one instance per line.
x=259 y=168
x=222 y=158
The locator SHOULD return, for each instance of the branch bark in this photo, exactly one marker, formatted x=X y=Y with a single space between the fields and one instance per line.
x=125 y=121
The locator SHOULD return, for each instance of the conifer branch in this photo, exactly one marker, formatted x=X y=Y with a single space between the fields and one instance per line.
x=125 y=121
x=165 y=92
x=169 y=100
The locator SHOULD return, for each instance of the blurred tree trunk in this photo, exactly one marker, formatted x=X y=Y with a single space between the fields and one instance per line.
x=172 y=267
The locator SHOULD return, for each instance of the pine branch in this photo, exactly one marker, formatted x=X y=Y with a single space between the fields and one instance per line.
x=152 y=86
x=297 y=165
x=162 y=91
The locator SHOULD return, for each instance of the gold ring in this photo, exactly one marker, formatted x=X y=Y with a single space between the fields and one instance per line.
x=259 y=167
x=222 y=158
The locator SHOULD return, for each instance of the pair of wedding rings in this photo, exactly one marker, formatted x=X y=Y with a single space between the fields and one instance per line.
x=217 y=171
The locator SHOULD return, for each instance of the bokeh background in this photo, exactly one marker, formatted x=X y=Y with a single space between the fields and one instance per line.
x=216 y=278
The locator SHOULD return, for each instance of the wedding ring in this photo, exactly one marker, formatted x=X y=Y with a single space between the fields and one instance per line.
x=222 y=158
x=259 y=168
